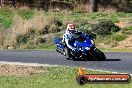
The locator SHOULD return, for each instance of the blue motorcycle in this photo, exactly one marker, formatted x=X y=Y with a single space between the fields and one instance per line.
x=85 y=49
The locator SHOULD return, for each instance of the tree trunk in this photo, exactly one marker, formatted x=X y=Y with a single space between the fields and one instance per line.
x=94 y=5
x=1 y=3
x=14 y=3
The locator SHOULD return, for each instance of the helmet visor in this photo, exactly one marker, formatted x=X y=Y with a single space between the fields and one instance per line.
x=72 y=31
x=72 y=27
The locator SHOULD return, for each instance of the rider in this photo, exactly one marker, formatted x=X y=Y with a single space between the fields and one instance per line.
x=70 y=35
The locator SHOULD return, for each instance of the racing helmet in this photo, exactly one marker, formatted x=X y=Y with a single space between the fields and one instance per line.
x=71 y=27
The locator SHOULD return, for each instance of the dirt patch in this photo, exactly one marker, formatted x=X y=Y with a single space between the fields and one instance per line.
x=21 y=70
x=123 y=24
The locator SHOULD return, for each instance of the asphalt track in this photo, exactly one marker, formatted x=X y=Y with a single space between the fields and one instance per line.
x=116 y=62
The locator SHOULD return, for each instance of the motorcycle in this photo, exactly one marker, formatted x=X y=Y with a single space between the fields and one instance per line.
x=85 y=49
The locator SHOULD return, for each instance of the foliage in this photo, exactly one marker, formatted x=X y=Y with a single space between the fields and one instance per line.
x=105 y=28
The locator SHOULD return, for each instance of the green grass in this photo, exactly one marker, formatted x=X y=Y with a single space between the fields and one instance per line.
x=25 y=14
x=111 y=39
x=119 y=37
x=56 y=77
x=6 y=16
x=129 y=28
x=115 y=17
x=47 y=47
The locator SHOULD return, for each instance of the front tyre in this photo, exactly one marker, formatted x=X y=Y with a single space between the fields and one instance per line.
x=98 y=55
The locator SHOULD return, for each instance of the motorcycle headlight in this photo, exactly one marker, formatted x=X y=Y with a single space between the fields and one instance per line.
x=87 y=48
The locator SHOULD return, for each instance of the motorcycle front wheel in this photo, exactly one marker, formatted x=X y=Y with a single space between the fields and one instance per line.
x=98 y=55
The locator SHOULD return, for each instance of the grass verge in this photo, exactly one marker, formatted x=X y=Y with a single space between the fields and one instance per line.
x=102 y=49
x=56 y=77
x=116 y=50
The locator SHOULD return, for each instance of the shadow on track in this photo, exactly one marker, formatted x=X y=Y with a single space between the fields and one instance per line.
x=113 y=59
x=100 y=61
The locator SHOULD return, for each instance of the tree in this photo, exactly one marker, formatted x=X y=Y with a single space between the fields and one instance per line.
x=1 y=3
x=94 y=5
x=14 y=3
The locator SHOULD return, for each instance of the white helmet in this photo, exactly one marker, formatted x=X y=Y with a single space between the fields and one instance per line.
x=71 y=27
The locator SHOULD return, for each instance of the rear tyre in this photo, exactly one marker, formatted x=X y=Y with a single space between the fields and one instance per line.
x=98 y=55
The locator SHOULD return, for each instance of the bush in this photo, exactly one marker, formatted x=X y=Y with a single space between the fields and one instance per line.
x=59 y=22
x=105 y=28
x=22 y=39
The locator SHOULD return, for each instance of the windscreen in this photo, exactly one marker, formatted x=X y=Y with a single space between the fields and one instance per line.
x=81 y=39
